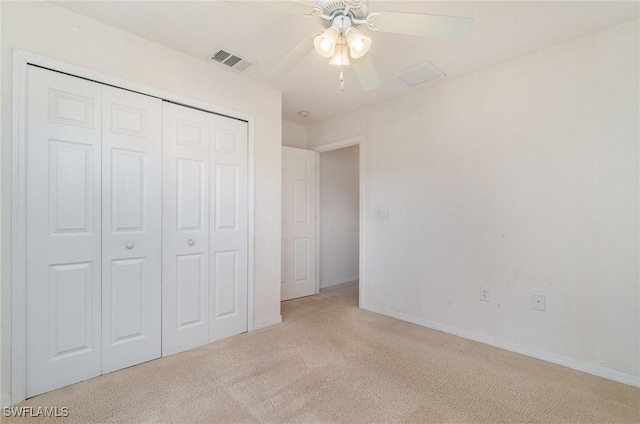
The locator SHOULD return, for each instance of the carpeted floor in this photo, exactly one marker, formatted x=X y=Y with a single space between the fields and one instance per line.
x=331 y=362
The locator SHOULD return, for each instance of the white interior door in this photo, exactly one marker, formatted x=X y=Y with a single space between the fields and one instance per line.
x=63 y=230
x=185 y=229
x=298 y=268
x=229 y=237
x=205 y=234
x=137 y=229
x=131 y=228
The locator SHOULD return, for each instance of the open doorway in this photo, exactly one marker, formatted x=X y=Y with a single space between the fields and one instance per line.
x=339 y=219
x=322 y=221
x=339 y=214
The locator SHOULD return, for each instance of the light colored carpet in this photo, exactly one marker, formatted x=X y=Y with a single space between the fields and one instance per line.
x=331 y=362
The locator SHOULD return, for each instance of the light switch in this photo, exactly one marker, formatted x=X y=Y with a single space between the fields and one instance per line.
x=384 y=214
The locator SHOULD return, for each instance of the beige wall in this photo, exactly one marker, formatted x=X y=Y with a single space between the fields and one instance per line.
x=522 y=178
x=5 y=316
x=294 y=135
x=51 y=31
x=341 y=128
x=339 y=216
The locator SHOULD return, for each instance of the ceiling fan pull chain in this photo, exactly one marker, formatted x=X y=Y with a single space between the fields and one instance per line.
x=342 y=55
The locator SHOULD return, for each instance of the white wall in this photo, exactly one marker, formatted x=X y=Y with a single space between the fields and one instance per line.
x=520 y=178
x=339 y=216
x=294 y=135
x=5 y=316
x=49 y=30
x=341 y=128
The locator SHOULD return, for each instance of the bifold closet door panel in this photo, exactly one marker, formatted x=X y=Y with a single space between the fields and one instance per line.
x=63 y=226
x=185 y=228
x=131 y=228
x=229 y=220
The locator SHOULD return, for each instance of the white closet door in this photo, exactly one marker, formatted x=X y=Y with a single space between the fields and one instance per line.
x=185 y=226
x=229 y=243
x=298 y=266
x=131 y=228
x=63 y=230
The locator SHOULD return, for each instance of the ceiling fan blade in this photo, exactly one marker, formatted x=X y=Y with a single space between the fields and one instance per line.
x=289 y=60
x=296 y=7
x=452 y=27
x=366 y=72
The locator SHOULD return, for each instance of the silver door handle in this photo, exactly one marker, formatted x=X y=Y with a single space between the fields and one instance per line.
x=129 y=245
x=190 y=242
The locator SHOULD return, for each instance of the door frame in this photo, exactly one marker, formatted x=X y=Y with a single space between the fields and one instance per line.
x=353 y=141
x=21 y=60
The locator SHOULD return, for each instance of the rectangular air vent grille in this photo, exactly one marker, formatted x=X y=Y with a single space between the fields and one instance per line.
x=220 y=56
x=231 y=60
x=421 y=74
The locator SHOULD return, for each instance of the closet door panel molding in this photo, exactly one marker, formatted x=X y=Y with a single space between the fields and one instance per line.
x=131 y=228
x=63 y=216
x=185 y=244
x=93 y=293
x=229 y=220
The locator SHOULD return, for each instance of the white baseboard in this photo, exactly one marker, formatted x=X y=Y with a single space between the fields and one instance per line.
x=268 y=323
x=340 y=281
x=608 y=373
x=5 y=400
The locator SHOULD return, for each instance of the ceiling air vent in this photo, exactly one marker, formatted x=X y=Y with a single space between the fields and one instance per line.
x=231 y=60
x=427 y=72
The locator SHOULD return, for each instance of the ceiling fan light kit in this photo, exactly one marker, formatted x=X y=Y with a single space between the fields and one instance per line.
x=341 y=56
x=342 y=39
x=325 y=43
x=341 y=30
x=359 y=45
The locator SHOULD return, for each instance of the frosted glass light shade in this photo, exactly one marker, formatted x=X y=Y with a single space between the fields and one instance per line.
x=325 y=43
x=358 y=44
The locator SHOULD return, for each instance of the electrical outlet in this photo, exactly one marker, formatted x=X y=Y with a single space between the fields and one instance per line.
x=384 y=214
x=485 y=294
x=537 y=301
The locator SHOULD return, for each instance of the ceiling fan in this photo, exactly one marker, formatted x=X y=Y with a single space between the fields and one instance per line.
x=344 y=44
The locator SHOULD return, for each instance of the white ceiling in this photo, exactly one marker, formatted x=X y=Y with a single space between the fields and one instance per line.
x=502 y=31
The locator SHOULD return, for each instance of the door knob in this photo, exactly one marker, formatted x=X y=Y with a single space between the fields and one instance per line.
x=129 y=245
x=191 y=242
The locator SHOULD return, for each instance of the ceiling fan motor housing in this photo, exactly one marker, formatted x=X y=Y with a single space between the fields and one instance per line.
x=357 y=9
